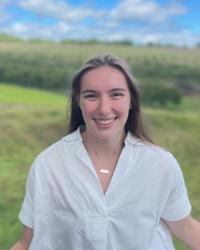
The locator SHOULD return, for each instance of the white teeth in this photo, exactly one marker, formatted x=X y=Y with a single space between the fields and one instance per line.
x=104 y=121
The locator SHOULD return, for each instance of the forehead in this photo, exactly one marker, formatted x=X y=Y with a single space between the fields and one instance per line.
x=104 y=76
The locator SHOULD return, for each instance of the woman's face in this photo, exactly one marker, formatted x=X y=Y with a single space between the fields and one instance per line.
x=105 y=102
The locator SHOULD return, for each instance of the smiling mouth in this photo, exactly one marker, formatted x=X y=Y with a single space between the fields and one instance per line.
x=105 y=122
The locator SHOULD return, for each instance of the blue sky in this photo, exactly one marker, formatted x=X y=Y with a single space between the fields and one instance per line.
x=141 y=21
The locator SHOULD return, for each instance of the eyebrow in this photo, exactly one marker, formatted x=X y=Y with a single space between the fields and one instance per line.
x=86 y=91
x=118 y=89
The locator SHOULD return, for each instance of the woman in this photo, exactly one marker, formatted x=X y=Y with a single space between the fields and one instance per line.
x=105 y=185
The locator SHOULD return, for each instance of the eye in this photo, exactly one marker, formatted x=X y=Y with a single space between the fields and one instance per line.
x=90 y=97
x=117 y=94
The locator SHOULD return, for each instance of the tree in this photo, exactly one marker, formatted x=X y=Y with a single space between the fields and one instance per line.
x=160 y=94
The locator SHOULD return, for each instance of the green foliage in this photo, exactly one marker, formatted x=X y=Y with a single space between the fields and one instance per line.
x=38 y=40
x=30 y=120
x=52 y=65
x=36 y=70
x=160 y=94
x=124 y=42
x=9 y=38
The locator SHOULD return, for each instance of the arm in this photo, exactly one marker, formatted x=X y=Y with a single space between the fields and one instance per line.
x=25 y=240
x=188 y=230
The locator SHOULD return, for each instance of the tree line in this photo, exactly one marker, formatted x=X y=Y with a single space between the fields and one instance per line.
x=161 y=81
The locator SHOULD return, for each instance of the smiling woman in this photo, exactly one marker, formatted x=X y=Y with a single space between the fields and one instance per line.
x=104 y=102
x=105 y=186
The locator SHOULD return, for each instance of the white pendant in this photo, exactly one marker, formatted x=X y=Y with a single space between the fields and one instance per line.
x=104 y=171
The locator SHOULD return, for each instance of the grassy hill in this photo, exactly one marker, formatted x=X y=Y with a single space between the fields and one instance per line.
x=30 y=120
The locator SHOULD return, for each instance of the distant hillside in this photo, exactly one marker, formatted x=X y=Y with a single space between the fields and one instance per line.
x=17 y=95
x=9 y=38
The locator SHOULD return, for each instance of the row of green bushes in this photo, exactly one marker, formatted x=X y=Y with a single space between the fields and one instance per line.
x=46 y=71
x=160 y=94
x=161 y=82
x=4 y=37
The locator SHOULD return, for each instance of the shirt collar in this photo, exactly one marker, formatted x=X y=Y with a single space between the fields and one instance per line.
x=76 y=136
x=130 y=139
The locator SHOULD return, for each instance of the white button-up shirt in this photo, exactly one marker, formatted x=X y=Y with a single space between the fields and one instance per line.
x=67 y=209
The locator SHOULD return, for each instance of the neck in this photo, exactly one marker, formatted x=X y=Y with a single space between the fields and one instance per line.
x=103 y=147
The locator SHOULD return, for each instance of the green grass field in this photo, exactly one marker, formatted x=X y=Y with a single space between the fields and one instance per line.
x=30 y=120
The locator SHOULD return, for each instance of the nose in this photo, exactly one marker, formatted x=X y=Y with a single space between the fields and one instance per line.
x=104 y=105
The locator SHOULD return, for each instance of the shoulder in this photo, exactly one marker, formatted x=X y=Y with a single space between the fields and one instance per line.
x=66 y=143
x=153 y=155
x=148 y=149
x=59 y=151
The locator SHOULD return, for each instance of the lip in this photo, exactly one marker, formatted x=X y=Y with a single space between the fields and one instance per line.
x=105 y=122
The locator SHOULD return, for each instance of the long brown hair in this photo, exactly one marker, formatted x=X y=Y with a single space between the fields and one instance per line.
x=134 y=122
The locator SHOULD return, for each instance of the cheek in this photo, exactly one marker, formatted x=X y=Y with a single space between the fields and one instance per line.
x=87 y=107
x=124 y=106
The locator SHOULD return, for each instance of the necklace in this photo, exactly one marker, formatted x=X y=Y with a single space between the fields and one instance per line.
x=104 y=171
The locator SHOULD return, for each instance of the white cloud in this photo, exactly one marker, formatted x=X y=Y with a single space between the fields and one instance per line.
x=108 y=25
x=58 y=9
x=26 y=31
x=143 y=10
x=62 y=30
x=178 y=38
x=181 y=38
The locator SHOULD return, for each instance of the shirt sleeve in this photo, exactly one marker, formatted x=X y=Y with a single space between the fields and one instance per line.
x=177 y=205
x=26 y=212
